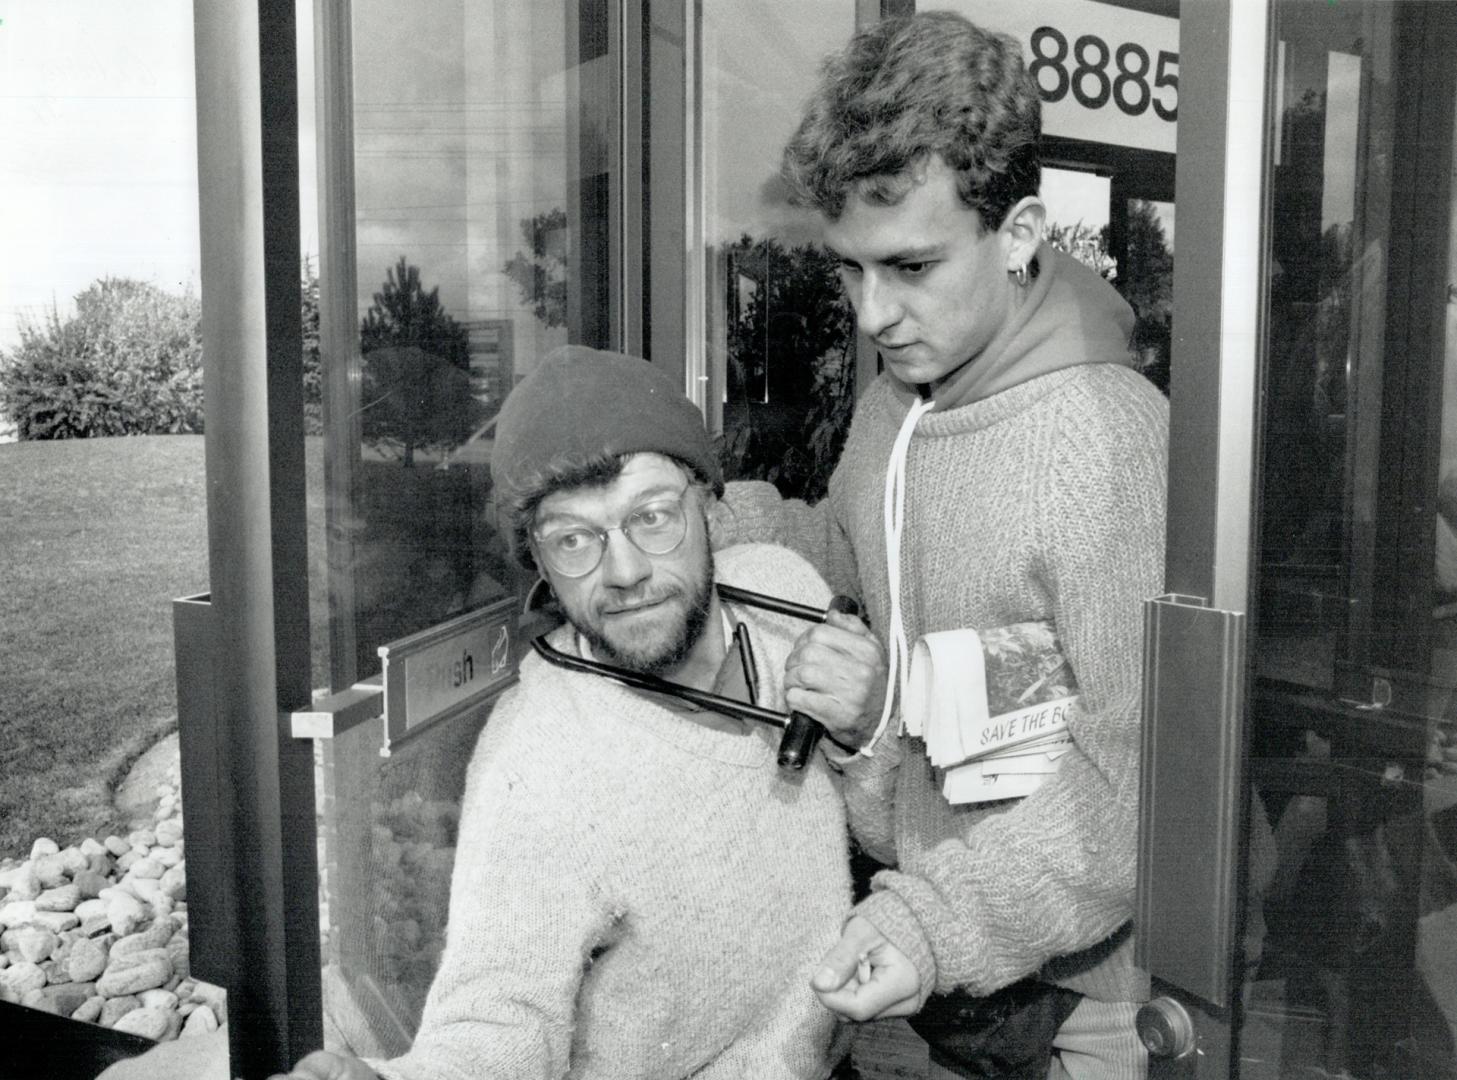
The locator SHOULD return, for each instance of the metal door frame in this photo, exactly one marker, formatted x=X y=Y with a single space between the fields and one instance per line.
x=1189 y=947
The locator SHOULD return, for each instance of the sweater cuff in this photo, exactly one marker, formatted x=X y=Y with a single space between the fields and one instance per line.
x=857 y=764
x=889 y=914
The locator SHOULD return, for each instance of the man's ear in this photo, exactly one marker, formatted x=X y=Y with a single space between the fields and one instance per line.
x=1023 y=227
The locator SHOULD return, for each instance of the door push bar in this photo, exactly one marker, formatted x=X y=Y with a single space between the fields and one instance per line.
x=801 y=733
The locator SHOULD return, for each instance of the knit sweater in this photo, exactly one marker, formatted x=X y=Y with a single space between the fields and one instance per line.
x=637 y=894
x=1043 y=501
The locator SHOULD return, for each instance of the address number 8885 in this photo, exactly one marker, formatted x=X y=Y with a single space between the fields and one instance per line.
x=1088 y=78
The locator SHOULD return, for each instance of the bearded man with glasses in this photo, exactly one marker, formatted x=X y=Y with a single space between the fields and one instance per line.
x=639 y=891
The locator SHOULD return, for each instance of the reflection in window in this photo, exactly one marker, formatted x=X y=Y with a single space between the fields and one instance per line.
x=1354 y=715
x=781 y=340
x=483 y=149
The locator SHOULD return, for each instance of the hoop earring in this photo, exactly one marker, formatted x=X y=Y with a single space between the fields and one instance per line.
x=1020 y=274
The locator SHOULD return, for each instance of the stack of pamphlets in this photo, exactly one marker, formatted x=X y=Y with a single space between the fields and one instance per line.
x=992 y=707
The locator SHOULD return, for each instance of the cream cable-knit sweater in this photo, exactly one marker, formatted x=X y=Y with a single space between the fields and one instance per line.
x=635 y=894
x=1043 y=501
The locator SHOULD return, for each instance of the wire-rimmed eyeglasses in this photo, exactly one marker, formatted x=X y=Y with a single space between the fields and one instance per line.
x=655 y=527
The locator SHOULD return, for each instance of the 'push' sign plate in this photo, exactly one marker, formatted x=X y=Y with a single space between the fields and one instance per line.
x=441 y=672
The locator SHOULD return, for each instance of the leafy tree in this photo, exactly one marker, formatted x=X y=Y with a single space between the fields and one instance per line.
x=313 y=362
x=417 y=391
x=1145 y=279
x=790 y=340
x=129 y=362
x=541 y=276
x=1084 y=243
x=791 y=313
x=404 y=314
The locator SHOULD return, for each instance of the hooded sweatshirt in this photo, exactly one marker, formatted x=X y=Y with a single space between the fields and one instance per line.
x=1029 y=485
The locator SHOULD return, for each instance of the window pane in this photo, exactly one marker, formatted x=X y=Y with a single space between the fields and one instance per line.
x=484 y=137
x=1354 y=750
x=781 y=342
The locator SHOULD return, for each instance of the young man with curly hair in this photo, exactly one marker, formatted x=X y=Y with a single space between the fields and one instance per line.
x=1008 y=465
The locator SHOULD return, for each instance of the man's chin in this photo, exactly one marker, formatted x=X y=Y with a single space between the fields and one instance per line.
x=638 y=645
x=643 y=657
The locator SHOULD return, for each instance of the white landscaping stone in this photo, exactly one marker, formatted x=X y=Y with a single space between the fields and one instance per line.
x=89 y=883
x=213 y=996
x=57 y=922
x=50 y=871
x=132 y=974
x=158 y=999
x=167 y=856
x=199 y=1021
x=114 y=1009
x=58 y=898
x=174 y=881
x=22 y=882
x=149 y=1023
x=65 y=998
x=125 y=913
x=134 y=855
x=156 y=935
x=35 y=944
x=145 y=867
x=87 y=960
x=147 y=889
x=98 y=930
x=23 y=977
x=88 y=908
x=16 y=913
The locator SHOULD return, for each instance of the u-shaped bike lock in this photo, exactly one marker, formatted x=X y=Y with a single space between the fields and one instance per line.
x=801 y=733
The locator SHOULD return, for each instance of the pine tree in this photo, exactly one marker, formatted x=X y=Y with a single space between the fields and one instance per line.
x=417 y=392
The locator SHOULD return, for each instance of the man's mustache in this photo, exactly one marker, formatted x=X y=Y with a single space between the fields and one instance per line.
x=621 y=601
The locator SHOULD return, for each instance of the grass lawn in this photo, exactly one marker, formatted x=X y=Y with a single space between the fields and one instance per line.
x=98 y=536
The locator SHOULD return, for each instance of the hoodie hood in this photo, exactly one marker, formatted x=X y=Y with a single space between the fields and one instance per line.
x=1069 y=316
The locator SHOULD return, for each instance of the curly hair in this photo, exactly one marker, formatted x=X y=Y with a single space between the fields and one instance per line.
x=907 y=89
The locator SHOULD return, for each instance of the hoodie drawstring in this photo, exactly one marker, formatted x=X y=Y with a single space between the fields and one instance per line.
x=897 y=645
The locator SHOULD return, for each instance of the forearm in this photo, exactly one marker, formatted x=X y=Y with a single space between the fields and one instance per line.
x=868 y=785
x=1050 y=876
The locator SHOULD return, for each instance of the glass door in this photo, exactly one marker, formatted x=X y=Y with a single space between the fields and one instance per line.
x=1298 y=880
x=1354 y=647
x=477 y=163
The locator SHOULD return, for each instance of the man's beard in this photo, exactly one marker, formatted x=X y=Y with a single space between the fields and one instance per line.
x=649 y=656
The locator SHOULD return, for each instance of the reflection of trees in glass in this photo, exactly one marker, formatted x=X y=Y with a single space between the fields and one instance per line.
x=542 y=275
x=313 y=361
x=790 y=379
x=1146 y=281
x=1309 y=336
x=417 y=392
x=1084 y=243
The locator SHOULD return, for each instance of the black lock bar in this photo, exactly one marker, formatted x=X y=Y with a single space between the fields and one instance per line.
x=801 y=732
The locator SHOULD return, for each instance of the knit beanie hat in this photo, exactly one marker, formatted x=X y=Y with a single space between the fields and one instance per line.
x=580 y=404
